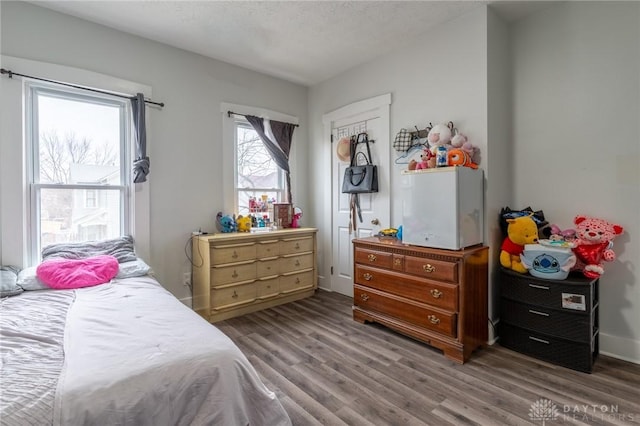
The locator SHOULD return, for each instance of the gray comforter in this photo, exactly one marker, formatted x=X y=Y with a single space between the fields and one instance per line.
x=123 y=353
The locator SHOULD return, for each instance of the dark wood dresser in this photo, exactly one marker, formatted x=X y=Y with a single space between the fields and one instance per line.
x=552 y=320
x=436 y=296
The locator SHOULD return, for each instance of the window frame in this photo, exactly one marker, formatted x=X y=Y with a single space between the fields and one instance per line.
x=34 y=186
x=237 y=123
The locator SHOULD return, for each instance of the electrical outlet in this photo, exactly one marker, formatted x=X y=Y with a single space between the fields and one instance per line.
x=186 y=279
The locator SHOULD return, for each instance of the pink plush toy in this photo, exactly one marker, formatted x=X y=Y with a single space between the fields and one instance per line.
x=439 y=135
x=461 y=141
x=428 y=160
x=593 y=244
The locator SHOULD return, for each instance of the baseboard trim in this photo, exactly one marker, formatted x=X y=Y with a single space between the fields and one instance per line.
x=620 y=348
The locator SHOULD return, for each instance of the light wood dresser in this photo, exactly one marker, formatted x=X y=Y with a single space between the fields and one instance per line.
x=436 y=296
x=238 y=273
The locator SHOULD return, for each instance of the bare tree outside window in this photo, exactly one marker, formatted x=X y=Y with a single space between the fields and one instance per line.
x=257 y=174
x=77 y=176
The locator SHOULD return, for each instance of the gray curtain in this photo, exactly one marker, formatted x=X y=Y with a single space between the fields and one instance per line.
x=141 y=163
x=279 y=150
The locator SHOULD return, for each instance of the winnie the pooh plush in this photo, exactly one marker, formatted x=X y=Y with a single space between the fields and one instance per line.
x=520 y=231
x=593 y=244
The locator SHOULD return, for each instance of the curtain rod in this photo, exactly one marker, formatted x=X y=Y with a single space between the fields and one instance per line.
x=11 y=74
x=230 y=113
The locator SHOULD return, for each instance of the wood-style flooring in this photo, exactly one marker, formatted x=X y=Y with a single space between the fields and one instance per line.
x=330 y=370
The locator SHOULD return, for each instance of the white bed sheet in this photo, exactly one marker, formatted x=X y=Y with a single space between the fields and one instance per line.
x=135 y=355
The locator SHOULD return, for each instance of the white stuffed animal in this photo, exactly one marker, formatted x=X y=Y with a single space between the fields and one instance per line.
x=439 y=135
x=439 y=139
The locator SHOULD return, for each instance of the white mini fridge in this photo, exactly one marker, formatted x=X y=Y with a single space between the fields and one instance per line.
x=443 y=207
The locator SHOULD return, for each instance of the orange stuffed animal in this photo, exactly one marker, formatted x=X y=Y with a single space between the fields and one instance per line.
x=458 y=157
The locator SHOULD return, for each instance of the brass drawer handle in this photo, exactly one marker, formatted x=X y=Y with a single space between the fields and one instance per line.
x=367 y=276
x=234 y=295
x=297 y=246
x=429 y=267
x=372 y=257
x=436 y=293
x=234 y=255
x=364 y=297
x=434 y=319
x=235 y=274
x=297 y=263
x=298 y=280
x=397 y=262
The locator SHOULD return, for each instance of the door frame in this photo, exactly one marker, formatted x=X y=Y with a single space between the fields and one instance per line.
x=381 y=105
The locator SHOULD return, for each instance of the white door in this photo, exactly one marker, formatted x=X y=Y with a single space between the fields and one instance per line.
x=375 y=207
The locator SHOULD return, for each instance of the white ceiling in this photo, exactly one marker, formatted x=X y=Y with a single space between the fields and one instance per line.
x=305 y=42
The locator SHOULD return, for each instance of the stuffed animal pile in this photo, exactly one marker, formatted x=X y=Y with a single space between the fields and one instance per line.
x=583 y=249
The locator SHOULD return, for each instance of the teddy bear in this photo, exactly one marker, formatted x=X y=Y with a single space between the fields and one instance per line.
x=594 y=244
x=428 y=160
x=439 y=138
x=520 y=231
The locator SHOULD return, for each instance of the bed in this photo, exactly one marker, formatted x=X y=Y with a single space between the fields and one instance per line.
x=125 y=352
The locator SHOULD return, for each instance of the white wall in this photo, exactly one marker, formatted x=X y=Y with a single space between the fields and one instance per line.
x=577 y=139
x=185 y=138
x=439 y=77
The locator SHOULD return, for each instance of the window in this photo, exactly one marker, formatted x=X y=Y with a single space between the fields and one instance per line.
x=78 y=166
x=259 y=181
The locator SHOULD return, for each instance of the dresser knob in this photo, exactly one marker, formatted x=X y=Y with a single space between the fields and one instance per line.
x=297 y=263
x=433 y=319
x=234 y=295
x=234 y=255
x=397 y=262
x=297 y=246
x=297 y=280
x=428 y=268
x=436 y=293
x=364 y=297
x=235 y=274
x=372 y=257
x=367 y=276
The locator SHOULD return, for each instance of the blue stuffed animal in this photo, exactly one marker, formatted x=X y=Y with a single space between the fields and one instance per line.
x=226 y=223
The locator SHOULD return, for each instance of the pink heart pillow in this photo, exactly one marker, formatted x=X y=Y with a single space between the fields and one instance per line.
x=77 y=273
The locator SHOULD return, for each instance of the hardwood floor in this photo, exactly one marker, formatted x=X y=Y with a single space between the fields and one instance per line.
x=330 y=370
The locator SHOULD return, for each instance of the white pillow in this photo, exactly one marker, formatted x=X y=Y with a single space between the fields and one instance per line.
x=134 y=268
x=28 y=280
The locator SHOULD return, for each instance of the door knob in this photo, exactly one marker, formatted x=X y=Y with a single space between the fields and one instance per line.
x=375 y=222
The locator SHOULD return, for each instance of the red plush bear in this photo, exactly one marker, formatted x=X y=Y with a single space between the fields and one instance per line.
x=593 y=244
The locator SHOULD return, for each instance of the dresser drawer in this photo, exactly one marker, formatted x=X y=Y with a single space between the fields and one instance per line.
x=441 y=295
x=571 y=326
x=269 y=248
x=296 y=245
x=578 y=356
x=407 y=310
x=432 y=269
x=373 y=258
x=296 y=281
x=291 y=263
x=567 y=295
x=267 y=288
x=267 y=267
x=227 y=297
x=233 y=253
x=221 y=275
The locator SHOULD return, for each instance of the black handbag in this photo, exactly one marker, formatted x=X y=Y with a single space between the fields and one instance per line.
x=360 y=179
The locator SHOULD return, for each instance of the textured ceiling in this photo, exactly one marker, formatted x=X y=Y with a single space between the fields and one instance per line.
x=305 y=42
